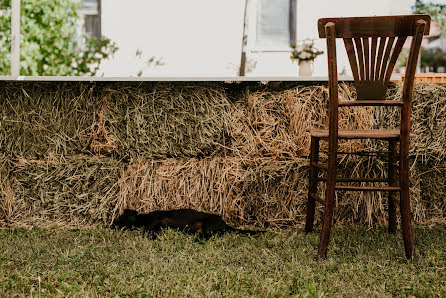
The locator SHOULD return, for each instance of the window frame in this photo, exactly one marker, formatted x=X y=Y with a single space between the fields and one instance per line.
x=92 y=11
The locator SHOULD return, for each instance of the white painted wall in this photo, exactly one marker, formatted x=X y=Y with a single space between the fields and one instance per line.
x=203 y=37
x=194 y=37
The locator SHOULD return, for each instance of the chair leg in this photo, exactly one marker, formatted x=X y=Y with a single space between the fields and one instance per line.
x=406 y=220
x=312 y=187
x=393 y=180
x=328 y=208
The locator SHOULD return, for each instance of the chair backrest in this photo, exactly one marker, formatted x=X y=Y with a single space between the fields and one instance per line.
x=373 y=45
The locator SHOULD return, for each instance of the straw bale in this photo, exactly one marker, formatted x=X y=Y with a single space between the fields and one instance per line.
x=371 y=207
x=428 y=122
x=277 y=123
x=103 y=142
x=432 y=176
x=262 y=191
x=276 y=192
x=245 y=160
x=74 y=191
x=168 y=119
x=42 y=118
x=242 y=191
x=6 y=191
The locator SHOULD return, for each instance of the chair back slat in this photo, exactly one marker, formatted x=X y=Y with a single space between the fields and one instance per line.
x=395 y=54
x=360 y=54
x=382 y=43
x=365 y=43
x=389 y=46
x=373 y=57
x=350 y=47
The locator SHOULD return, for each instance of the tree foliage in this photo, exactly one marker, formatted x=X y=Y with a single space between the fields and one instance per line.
x=435 y=10
x=51 y=42
x=433 y=59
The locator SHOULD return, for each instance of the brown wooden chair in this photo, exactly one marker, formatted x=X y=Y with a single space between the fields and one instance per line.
x=373 y=45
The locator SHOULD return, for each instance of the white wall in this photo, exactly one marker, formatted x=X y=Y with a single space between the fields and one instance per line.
x=308 y=12
x=203 y=37
x=193 y=37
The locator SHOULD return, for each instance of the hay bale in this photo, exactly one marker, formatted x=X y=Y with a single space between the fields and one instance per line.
x=103 y=142
x=43 y=119
x=371 y=207
x=242 y=191
x=6 y=191
x=242 y=161
x=432 y=178
x=170 y=119
x=75 y=191
x=275 y=192
x=263 y=191
x=428 y=121
x=277 y=124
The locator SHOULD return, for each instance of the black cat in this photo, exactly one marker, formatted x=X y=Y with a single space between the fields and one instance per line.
x=186 y=220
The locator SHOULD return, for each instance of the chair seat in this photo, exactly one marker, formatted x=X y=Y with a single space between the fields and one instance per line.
x=359 y=134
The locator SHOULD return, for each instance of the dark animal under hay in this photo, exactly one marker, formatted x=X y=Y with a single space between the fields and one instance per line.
x=186 y=220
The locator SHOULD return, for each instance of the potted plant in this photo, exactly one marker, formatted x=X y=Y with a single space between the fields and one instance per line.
x=305 y=53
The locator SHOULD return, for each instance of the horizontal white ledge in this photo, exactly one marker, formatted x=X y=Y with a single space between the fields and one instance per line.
x=166 y=78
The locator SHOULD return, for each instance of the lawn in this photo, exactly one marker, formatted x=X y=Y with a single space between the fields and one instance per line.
x=103 y=262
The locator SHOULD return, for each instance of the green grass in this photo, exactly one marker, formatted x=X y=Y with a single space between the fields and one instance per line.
x=102 y=262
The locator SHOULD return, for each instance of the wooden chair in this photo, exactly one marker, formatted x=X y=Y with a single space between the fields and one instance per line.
x=373 y=45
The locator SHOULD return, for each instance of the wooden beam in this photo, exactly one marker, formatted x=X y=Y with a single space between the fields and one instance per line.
x=367 y=188
x=242 y=70
x=317 y=198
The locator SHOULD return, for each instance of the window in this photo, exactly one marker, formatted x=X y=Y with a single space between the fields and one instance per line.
x=91 y=9
x=275 y=25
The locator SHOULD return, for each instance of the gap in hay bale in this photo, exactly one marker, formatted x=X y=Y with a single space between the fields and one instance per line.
x=168 y=119
x=261 y=192
x=74 y=191
x=46 y=118
x=103 y=142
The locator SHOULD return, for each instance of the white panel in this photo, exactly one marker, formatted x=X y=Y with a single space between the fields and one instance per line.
x=273 y=23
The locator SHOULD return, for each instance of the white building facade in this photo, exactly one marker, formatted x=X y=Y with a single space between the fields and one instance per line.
x=204 y=37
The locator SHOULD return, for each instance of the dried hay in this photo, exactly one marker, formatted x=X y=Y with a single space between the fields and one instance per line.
x=102 y=141
x=277 y=124
x=6 y=192
x=73 y=192
x=244 y=160
x=428 y=121
x=262 y=191
x=41 y=119
x=371 y=207
x=82 y=191
x=169 y=119
x=432 y=178
x=242 y=191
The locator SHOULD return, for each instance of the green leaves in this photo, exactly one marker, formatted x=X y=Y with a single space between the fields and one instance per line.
x=436 y=11
x=51 y=41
